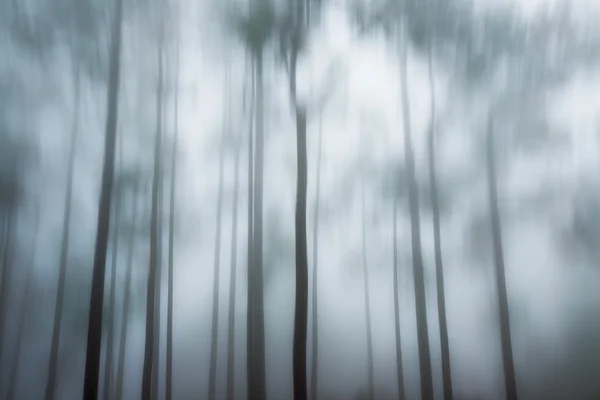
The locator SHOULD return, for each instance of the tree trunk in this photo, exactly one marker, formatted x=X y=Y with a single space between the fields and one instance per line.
x=507 y=355
x=301 y=306
x=64 y=250
x=233 y=273
x=437 y=242
x=418 y=273
x=94 y=336
x=314 y=386
x=158 y=289
x=250 y=371
x=126 y=301
x=12 y=383
x=370 y=367
x=7 y=270
x=169 y=368
x=113 y=283
x=399 y=368
x=260 y=392
x=212 y=377
x=153 y=262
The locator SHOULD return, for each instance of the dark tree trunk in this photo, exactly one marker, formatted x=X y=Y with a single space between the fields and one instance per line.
x=399 y=368
x=260 y=392
x=6 y=273
x=510 y=382
x=314 y=371
x=301 y=306
x=158 y=289
x=250 y=372
x=437 y=242
x=126 y=301
x=169 y=367
x=370 y=367
x=108 y=395
x=64 y=250
x=418 y=273
x=15 y=364
x=152 y=267
x=212 y=377
x=233 y=273
x=94 y=336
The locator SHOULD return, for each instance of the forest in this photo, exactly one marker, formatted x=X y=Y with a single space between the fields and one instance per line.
x=299 y=199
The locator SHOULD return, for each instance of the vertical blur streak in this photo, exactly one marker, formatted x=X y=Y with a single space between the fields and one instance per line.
x=64 y=251
x=370 y=367
x=314 y=386
x=152 y=265
x=437 y=241
x=399 y=369
x=301 y=306
x=9 y=224
x=94 y=335
x=257 y=239
x=250 y=245
x=108 y=395
x=127 y=295
x=233 y=276
x=212 y=377
x=415 y=224
x=158 y=283
x=507 y=355
x=14 y=373
x=169 y=367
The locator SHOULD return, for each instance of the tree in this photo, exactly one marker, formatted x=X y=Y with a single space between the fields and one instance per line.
x=399 y=369
x=217 y=259
x=510 y=383
x=233 y=273
x=315 y=318
x=12 y=383
x=370 y=367
x=415 y=223
x=169 y=371
x=94 y=340
x=437 y=242
x=255 y=29
x=149 y=356
x=64 y=251
x=127 y=296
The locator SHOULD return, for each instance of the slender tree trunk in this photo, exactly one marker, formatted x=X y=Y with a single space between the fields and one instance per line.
x=108 y=395
x=7 y=270
x=399 y=368
x=314 y=386
x=232 y=282
x=15 y=364
x=212 y=377
x=169 y=369
x=158 y=289
x=64 y=250
x=437 y=242
x=233 y=274
x=510 y=382
x=250 y=357
x=370 y=367
x=111 y=307
x=259 y=318
x=94 y=337
x=418 y=273
x=152 y=267
x=301 y=307
x=126 y=301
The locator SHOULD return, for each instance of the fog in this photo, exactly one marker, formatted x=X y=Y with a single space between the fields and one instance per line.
x=527 y=71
